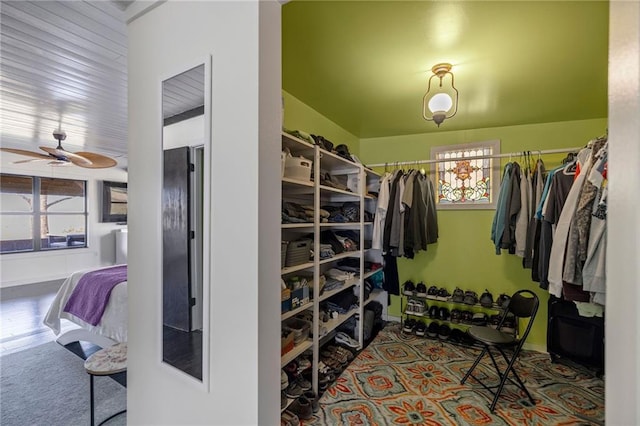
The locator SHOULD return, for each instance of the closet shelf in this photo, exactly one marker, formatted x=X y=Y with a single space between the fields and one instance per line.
x=373 y=295
x=295 y=352
x=295 y=311
x=343 y=255
x=297 y=225
x=347 y=284
x=337 y=164
x=494 y=307
x=290 y=269
x=349 y=225
x=286 y=182
x=296 y=145
x=352 y=196
x=332 y=324
x=370 y=273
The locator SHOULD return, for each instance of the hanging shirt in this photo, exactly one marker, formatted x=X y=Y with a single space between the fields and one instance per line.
x=381 y=212
x=499 y=219
x=556 y=260
x=522 y=219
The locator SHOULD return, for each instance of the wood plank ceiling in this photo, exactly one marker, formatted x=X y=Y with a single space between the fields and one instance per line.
x=64 y=64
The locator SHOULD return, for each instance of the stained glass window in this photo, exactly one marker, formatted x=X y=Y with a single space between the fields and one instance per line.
x=463 y=180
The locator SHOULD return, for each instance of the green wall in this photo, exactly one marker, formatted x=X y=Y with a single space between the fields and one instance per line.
x=299 y=116
x=464 y=255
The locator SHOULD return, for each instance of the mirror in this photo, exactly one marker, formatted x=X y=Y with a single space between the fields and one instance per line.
x=183 y=142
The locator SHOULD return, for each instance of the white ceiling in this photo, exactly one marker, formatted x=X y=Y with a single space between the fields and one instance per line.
x=64 y=64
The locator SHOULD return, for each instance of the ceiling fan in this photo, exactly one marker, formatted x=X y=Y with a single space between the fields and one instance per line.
x=60 y=156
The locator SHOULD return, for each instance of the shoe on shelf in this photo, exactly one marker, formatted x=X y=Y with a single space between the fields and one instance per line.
x=293 y=390
x=486 y=300
x=470 y=298
x=421 y=289
x=443 y=294
x=284 y=380
x=418 y=307
x=409 y=309
x=421 y=329
x=288 y=418
x=509 y=324
x=457 y=335
x=455 y=316
x=313 y=398
x=302 y=408
x=409 y=325
x=408 y=288
x=304 y=384
x=433 y=312
x=283 y=400
x=433 y=329
x=458 y=296
x=494 y=320
x=479 y=318
x=343 y=338
x=503 y=301
x=432 y=292
x=444 y=332
x=443 y=313
x=466 y=317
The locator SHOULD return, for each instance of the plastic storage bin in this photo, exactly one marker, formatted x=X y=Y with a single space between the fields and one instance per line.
x=298 y=252
x=300 y=329
x=298 y=168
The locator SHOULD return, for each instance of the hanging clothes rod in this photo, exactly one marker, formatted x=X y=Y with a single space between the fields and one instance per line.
x=475 y=157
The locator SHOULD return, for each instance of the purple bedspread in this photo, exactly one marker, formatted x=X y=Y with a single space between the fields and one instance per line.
x=89 y=298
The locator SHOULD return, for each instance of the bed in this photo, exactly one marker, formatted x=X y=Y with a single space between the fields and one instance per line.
x=104 y=330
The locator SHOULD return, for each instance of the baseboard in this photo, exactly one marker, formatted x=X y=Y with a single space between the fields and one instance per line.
x=537 y=348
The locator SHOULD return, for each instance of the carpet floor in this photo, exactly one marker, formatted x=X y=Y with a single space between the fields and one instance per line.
x=410 y=380
x=48 y=385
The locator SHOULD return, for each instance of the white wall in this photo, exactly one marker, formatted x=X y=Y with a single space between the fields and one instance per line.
x=184 y=133
x=622 y=386
x=26 y=268
x=165 y=41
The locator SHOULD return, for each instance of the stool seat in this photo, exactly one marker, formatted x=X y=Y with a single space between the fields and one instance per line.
x=108 y=361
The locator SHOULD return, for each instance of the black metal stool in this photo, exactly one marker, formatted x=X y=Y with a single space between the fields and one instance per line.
x=105 y=362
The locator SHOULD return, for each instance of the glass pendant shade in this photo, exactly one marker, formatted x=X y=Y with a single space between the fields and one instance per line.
x=440 y=102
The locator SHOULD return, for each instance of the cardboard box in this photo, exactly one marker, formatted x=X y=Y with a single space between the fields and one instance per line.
x=286 y=342
x=299 y=297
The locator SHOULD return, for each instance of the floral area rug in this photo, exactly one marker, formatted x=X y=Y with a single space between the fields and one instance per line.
x=410 y=380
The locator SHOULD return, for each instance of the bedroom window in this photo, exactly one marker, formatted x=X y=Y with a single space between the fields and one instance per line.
x=40 y=213
x=464 y=181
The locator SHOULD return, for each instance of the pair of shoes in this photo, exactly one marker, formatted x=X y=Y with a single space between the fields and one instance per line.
x=284 y=380
x=342 y=351
x=509 y=324
x=433 y=329
x=458 y=296
x=288 y=418
x=503 y=301
x=479 y=318
x=409 y=325
x=470 y=297
x=432 y=292
x=421 y=329
x=294 y=390
x=443 y=294
x=416 y=307
x=444 y=332
x=494 y=320
x=302 y=408
x=313 y=398
x=486 y=300
x=457 y=335
x=455 y=316
x=408 y=288
x=421 y=289
x=283 y=400
x=466 y=317
x=343 y=338
x=441 y=313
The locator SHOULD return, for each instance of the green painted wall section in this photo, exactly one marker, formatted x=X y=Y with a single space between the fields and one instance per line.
x=464 y=255
x=299 y=116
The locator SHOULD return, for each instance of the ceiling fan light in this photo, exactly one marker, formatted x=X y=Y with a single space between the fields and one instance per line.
x=441 y=102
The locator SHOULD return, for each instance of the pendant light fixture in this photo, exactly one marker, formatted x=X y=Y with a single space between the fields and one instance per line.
x=441 y=101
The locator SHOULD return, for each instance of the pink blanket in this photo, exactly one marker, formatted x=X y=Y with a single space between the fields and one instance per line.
x=91 y=295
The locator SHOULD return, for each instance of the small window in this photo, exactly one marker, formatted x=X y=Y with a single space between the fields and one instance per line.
x=41 y=213
x=464 y=181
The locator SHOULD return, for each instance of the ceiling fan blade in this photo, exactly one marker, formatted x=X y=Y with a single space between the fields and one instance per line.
x=25 y=152
x=74 y=158
x=98 y=161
